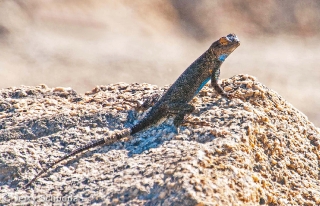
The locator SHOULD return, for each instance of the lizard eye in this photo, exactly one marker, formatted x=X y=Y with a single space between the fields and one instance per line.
x=223 y=41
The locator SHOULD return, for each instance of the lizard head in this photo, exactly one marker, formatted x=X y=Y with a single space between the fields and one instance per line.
x=225 y=46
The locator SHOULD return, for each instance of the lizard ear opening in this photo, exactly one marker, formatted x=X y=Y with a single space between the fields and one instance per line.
x=223 y=41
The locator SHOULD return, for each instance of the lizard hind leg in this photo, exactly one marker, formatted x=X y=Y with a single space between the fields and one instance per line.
x=180 y=110
x=149 y=102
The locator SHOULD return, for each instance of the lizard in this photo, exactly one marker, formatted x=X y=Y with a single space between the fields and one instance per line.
x=175 y=101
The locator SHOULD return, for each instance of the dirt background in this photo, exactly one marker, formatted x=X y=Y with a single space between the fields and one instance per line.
x=81 y=43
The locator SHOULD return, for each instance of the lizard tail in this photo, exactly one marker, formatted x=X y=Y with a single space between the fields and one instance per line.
x=81 y=149
x=108 y=140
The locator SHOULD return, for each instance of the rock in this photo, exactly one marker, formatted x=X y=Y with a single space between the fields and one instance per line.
x=254 y=149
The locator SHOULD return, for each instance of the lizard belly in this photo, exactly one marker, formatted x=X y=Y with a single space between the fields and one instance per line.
x=202 y=85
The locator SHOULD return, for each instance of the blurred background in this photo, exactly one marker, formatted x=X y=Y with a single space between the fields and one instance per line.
x=84 y=43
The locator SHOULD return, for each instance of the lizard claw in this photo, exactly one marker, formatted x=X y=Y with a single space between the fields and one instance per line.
x=228 y=95
x=177 y=130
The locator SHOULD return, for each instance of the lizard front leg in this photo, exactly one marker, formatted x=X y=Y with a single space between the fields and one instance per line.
x=215 y=83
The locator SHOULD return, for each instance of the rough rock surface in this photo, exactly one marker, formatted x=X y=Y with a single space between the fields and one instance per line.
x=256 y=149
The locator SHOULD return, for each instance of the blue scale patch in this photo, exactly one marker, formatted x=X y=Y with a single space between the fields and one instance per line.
x=222 y=57
x=201 y=86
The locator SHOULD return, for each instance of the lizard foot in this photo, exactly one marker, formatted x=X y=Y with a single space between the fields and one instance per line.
x=179 y=110
x=228 y=95
x=149 y=102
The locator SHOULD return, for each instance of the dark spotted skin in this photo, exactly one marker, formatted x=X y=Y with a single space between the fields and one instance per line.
x=175 y=102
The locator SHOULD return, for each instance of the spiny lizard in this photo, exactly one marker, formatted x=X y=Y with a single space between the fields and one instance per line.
x=175 y=102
